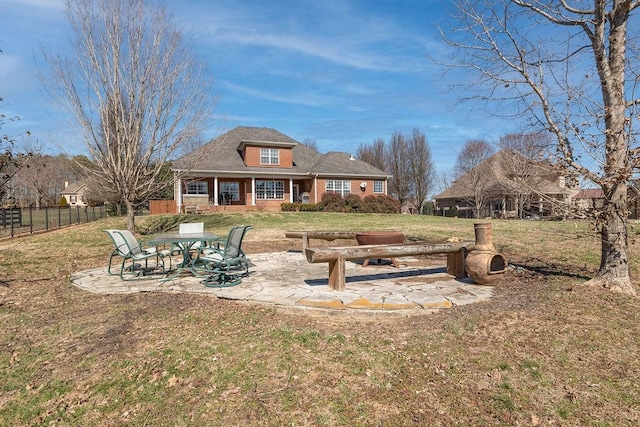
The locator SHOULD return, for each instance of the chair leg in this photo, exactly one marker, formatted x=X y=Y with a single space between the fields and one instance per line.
x=109 y=266
x=139 y=275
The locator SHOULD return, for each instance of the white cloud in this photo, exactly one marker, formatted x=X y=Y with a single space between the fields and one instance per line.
x=332 y=32
x=311 y=99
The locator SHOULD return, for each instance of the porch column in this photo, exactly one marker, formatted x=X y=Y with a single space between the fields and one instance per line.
x=315 y=189
x=290 y=190
x=253 y=191
x=178 y=192
x=215 y=191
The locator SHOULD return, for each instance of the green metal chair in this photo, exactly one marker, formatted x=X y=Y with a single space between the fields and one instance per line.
x=132 y=253
x=226 y=266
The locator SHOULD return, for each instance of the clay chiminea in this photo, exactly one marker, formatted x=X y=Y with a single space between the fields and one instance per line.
x=484 y=264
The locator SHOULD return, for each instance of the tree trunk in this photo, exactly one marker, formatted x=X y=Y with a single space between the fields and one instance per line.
x=131 y=224
x=614 y=259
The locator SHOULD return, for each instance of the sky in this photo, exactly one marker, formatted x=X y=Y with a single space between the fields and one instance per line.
x=339 y=72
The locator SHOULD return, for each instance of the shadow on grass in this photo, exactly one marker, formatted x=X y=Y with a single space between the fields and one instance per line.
x=548 y=269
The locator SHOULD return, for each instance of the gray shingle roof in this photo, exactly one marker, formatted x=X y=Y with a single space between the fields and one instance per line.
x=337 y=163
x=221 y=155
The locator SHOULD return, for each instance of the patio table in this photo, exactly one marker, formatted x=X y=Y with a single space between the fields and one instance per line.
x=185 y=241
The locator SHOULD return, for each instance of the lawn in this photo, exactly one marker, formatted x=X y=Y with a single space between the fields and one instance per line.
x=543 y=351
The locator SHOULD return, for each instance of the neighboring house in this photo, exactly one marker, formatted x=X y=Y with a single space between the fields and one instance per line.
x=589 y=198
x=507 y=185
x=74 y=193
x=251 y=168
x=593 y=198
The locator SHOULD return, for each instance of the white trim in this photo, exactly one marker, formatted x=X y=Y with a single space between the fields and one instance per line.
x=253 y=191
x=179 y=193
x=290 y=190
x=215 y=191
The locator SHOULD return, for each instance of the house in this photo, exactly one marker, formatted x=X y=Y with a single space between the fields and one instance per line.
x=589 y=198
x=75 y=194
x=253 y=168
x=508 y=184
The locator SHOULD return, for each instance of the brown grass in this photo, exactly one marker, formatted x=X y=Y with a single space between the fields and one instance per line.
x=543 y=351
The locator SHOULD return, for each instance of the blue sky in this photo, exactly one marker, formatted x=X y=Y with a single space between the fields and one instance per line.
x=339 y=72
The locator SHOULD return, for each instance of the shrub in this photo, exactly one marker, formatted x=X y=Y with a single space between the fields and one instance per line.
x=428 y=208
x=332 y=202
x=290 y=207
x=310 y=207
x=386 y=204
x=371 y=204
x=63 y=202
x=353 y=203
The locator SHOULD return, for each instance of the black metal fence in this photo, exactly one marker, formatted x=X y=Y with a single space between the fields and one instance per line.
x=16 y=221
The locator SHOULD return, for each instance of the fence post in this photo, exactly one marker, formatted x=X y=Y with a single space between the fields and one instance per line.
x=11 y=221
x=30 y=219
x=46 y=218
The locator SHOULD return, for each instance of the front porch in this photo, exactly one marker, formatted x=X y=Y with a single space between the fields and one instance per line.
x=235 y=194
x=169 y=207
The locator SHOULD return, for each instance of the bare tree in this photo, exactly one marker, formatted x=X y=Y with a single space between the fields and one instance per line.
x=41 y=180
x=10 y=161
x=477 y=185
x=137 y=93
x=421 y=167
x=526 y=168
x=474 y=152
x=444 y=180
x=399 y=167
x=572 y=70
x=311 y=143
x=374 y=154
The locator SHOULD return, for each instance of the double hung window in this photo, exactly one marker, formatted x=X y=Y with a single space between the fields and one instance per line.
x=269 y=156
x=269 y=190
x=338 y=186
x=197 y=187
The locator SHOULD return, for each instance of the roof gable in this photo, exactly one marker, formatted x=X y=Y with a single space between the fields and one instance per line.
x=74 y=188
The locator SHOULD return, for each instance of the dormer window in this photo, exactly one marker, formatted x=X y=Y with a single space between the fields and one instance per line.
x=269 y=156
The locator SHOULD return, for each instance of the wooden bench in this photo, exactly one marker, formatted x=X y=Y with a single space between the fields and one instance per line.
x=188 y=209
x=337 y=256
x=322 y=235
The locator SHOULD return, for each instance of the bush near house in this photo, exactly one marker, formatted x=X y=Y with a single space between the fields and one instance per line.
x=352 y=203
x=333 y=202
x=299 y=207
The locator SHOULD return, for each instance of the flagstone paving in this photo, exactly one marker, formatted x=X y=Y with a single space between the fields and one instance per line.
x=287 y=280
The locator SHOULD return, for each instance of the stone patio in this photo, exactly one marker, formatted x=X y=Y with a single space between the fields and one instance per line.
x=286 y=280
